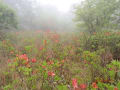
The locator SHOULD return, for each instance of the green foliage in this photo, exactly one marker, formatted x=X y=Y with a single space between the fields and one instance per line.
x=7 y=87
x=62 y=87
x=104 y=40
x=114 y=72
x=97 y=15
x=7 y=17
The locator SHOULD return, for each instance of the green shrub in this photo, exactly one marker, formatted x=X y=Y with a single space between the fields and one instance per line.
x=109 y=40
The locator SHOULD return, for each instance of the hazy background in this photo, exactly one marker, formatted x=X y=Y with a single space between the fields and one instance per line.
x=44 y=14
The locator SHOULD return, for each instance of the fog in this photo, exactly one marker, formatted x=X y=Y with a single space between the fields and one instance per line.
x=59 y=44
x=44 y=14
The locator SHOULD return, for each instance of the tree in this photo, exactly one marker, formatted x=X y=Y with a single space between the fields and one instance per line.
x=8 y=18
x=97 y=15
x=33 y=15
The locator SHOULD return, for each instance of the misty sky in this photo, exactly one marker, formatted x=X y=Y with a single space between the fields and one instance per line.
x=61 y=5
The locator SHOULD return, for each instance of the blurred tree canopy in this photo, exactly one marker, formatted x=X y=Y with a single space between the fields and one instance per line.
x=97 y=15
x=8 y=17
x=32 y=15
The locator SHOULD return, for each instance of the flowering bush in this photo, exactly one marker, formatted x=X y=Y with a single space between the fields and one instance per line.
x=51 y=61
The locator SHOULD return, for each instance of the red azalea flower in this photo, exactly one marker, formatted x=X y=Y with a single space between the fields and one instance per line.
x=94 y=33
x=50 y=62
x=9 y=60
x=85 y=61
x=24 y=57
x=48 y=31
x=44 y=67
x=94 y=85
x=11 y=52
x=115 y=88
x=34 y=60
x=110 y=69
x=45 y=42
x=83 y=86
x=38 y=31
x=17 y=33
x=74 y=83
x=56 y=41
x=26 y=63
x=41 y=48
x=34 y=72
x=107 y=33
x=55 y=36
x=52 y=74
x=48 y=57
x=3 y=41
x=63 y=61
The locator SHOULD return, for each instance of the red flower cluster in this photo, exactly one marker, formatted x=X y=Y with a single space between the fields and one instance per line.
x=9 y=60
x=74 y=83
x=83 y=86
x=115 y=88
x=52 y=74
x=41 y=48
x=24 y=57
x=107 y=33
x=57 y=41
x=50 y=62
x=63 y=61
x=94 y=33
x=34 y=60
x=38 y=31
x=11 y=52
x=45 y=42
x=43 y=67
x=94 y=85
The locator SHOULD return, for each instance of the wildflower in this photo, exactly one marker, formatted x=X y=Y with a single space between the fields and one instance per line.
x=48 y=57
x=56 y=36
x=3 y=41
x=28 y=65
x=40 y=64
x=9 y=60
x=83 y=86
x=110 y=69
x=50 y=62
x=60 y=64
x=48 y=31
x=56 y=41
x=107 y=33
x=34 y=60
x=52 y=74
x=85 y=61
x=63 y=61
x=94 y=33
x=38 y=31
x=94 y=85
x=45 y=42
x=41 y=48
x=26 y=62
x=11 y=52
x=44 y=67
x=74 y=83
x=34 y=72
